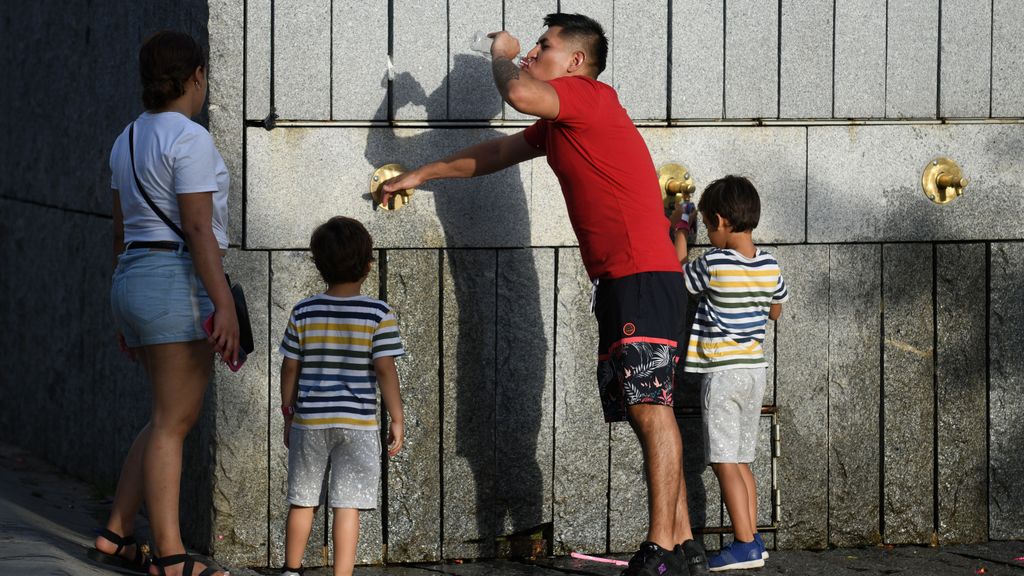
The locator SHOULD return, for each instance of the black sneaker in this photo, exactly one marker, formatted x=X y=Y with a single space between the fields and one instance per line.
x=691 y=554
x=653 y=560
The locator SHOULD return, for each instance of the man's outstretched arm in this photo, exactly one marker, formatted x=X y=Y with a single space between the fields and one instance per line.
x=478 y=160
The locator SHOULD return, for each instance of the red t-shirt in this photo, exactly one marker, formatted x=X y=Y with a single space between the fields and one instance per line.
x=608 y=180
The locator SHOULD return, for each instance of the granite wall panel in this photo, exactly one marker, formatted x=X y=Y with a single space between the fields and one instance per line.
x=359 y=53
x=961 y=392
x=420 y=55
x=698 y=60
x=639 y=45
x=524 y=393
x=892 y=159
x=469 y=468
x=302 y=59
x=752 y=59
x=965 y=82
x=908 y=394
x=1006 y=391
x=912 y=59
x=1007 y=59
x=581 y=436
x=471 y=91
x=801 y=394
x=805 y=72
x=853 y=394
x=414 y=475
x=859 y=73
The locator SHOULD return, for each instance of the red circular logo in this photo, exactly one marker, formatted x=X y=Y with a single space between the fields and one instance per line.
x=628 y=329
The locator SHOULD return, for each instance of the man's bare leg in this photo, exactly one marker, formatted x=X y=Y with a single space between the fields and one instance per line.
x=655 y=427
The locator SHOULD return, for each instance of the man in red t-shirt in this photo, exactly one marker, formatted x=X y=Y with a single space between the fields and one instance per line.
x=614 y=203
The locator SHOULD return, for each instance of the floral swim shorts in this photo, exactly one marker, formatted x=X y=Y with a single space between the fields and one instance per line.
x=641 y=325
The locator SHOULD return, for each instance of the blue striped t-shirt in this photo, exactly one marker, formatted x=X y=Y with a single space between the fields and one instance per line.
x=736 y=294
x=336 y=341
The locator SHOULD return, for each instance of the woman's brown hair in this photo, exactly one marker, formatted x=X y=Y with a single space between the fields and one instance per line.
x=166 y=61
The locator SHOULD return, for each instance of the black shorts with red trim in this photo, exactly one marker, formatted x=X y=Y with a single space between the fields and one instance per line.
x=641 y=322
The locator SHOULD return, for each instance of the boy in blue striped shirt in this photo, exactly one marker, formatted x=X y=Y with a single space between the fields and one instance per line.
x=740 y=288
x=339 y=348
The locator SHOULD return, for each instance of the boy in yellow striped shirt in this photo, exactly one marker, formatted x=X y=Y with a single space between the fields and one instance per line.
x=740 y=288
x=339 y=348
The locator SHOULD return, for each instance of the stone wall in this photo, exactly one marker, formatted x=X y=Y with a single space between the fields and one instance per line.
x=894 y=381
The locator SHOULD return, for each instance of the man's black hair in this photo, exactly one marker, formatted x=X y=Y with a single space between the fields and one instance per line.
x=733 y=198
x=587 y=31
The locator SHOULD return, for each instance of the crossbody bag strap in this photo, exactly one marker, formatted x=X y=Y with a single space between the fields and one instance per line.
x=152 y=205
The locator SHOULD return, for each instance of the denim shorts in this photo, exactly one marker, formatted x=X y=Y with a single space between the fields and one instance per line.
x=157 y=298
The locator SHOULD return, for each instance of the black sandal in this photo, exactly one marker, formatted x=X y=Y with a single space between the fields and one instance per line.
x=139 y=563
x=185 y=559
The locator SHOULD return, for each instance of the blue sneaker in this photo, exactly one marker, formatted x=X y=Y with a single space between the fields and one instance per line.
x=737 y=556
x=760 y=542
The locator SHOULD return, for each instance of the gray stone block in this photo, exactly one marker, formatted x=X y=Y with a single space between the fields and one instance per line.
x=294 y=277
x=853 y=394
x=604 y=12
x=805 y=72
x=1007 y=59
x=627 y=493
x=860 y=59
x=471 y=91
x=961 y=394
x=336 y=164
x=549 y=224
x=1006 y=392
x=762 y=469
x=226 y=96
x=414 y=475
x=752 y=59
x=889 y=205
x=469 y=467
x=640 y=47
x=242 y=407
x=257 y=59
x=912 y=58
x=908 y=358
x=524 y=19
x=773 y=158
x=802 y=376
x=581 y=435
x=420 y=53
x=698 y=64
x=302 y=59
x=359 y=83
x=524 y=392
x=965 y=88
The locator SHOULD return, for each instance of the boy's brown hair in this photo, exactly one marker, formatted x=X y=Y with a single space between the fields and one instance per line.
x=342 y=250
x=733 y=198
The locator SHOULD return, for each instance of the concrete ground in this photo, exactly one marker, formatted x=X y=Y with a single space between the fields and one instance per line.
x=47 y=518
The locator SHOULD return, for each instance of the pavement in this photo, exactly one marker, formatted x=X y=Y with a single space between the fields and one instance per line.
x=47 y=519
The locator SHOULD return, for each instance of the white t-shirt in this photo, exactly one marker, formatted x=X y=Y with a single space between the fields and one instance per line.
x=173 y=155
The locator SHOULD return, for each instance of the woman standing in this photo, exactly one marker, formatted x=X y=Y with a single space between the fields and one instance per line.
x=165 y=286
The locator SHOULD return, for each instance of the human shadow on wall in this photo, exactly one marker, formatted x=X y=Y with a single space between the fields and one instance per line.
x=497 y=423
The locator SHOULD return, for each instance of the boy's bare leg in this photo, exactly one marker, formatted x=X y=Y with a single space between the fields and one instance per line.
x=734 y=493
x=296 y=535
x=656 y=428
x=751 y=485
x=346 y=538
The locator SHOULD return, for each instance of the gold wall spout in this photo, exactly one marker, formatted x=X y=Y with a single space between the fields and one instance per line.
x=377 y=180
x=676 y=185
x=942 y=180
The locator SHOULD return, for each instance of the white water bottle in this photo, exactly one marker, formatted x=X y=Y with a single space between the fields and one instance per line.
x=481 y=43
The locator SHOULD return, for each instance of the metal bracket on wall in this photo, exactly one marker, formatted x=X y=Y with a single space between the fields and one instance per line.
x=942 y=180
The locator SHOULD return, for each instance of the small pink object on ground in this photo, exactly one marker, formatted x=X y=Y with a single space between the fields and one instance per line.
x=579 y=556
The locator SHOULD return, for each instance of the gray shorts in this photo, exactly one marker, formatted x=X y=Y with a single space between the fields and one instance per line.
x=354 y=456
x=731 y=407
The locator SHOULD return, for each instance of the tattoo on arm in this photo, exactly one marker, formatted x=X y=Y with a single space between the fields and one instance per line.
x=504 y=72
